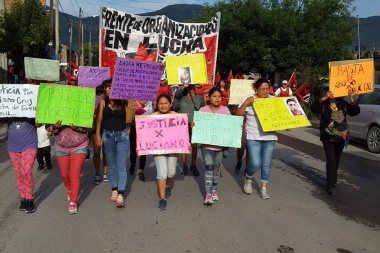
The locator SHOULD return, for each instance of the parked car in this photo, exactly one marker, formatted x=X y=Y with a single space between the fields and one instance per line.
x=366 y=126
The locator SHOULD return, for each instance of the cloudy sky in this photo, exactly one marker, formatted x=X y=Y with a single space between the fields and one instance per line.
x=364 y=8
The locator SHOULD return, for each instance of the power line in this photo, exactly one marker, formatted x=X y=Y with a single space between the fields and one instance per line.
x=73 y=7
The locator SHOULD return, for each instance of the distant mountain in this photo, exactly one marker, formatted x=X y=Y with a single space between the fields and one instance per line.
x=369 y=33
x=177 y=12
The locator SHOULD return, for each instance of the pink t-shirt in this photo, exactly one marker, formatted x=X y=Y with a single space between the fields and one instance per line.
x=222 y=110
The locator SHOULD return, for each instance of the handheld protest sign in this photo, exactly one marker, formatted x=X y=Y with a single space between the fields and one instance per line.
x=92 y=76
x=41 y=69
x=71 y=104
x=136 y=80
x=18 y=100
x=217 y=129
x=240 y=89
x=280 y=113
x=162 y=134
x=186 y=69
x=352 y=76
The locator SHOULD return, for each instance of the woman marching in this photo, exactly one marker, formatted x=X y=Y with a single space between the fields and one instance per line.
x=334 y=131
x=260 y=144
x=213 y=155
x=111 y=121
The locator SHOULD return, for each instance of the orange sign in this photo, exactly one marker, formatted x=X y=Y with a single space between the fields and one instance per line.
x=355 y=75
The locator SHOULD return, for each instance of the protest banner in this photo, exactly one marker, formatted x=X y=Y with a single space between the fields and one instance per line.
x=41 y=69
x=71 y=104
x=162 y=134
x=137 y=80
x=186 y=69
x=122 y=33
x=18 y=100
x=352 y=76
x=240 y=88
x=92 y=76
x=280 y=113
x=217 y=129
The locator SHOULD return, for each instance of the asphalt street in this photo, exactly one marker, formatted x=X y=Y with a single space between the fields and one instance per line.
x=299 y=216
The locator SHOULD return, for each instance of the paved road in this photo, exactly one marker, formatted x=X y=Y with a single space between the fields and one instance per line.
x=299 y=217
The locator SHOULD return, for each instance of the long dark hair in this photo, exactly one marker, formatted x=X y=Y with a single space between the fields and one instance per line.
x=117 y=103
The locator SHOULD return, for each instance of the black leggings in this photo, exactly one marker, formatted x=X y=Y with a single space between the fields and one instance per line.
x=333 y=150
x=133 y=145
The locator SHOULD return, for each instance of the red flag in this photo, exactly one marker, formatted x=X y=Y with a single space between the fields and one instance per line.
x=303 y=93
x=238 y=76
x=217 y=77
x=293 y=80
x=230 y=76
x=141 y=53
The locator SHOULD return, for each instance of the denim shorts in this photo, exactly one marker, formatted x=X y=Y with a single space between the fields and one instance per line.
x=79 y=151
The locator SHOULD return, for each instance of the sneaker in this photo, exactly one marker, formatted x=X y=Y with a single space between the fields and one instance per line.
x=168 y=192
x=214 y=195
x=194 y=170
x=225 y=153
x=238 y=167
x=40 y=167
x=105 y=178
x=97 y=180
x=162 y=204
x=141 y=176
x=132 y=169
x=120 y=201
x=185 y=170
x=49 y=166
x=248 y=186
x=331 y=190
x=208 y=199
x=30 y=206
x=114 y=196
x=22 y=206
x=264 y=194
x=73 y=209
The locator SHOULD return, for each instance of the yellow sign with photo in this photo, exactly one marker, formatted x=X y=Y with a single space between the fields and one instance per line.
x=240 y=88
x=280 y=113
x=186 y=69
x=352 y=76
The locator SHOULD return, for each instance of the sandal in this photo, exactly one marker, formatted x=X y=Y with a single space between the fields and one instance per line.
x=120 y=201
x=114 y=196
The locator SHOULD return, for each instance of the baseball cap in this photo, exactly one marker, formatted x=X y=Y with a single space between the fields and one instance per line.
x=284 y=82
x=163 y=77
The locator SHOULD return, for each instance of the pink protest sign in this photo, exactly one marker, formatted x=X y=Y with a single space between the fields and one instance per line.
x=92 y=76
x=162 y=134
x=137 y=80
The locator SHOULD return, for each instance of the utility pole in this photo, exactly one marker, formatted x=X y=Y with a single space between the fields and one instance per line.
x=82 y=51
x=358 y=35
x=79 y=35
x=56 y=29
x=51 y=18
x=90 y=51
x=71 y=44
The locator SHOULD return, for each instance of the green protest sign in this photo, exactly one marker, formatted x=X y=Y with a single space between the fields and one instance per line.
x=71 y=104
x=217 y=129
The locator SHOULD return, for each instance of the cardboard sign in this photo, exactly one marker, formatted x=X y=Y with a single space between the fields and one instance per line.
x=71 y=104
x=217 y=129
x=355 y=75
x=41 y=69
x=136 y=80
x=92 y=76
x=18 y=100
x=162 y=134
x=280 y=113
x=240 y=89
x=186 y=69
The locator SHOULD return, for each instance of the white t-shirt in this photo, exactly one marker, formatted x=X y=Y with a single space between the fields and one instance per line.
x=43 y=138
x=287 y=88
x=253 y=129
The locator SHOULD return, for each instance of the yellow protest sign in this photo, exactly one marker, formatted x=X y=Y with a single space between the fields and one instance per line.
x=240 y=88
x=280 y=113
x=354 y=75
x=186 y=69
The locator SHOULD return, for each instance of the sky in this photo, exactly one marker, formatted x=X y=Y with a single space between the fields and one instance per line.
x=364 y=8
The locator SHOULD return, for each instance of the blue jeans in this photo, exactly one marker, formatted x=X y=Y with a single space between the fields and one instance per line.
x=260 y=156
x=213 y=160
x=166 y=165
x=116 y=149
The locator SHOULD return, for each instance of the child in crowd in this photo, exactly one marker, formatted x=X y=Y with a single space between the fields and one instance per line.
x=212 y=155
x=43 y=148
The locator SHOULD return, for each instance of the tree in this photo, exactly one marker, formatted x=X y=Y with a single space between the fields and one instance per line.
x=95 y=54
x=280 y=35
x=24 y=30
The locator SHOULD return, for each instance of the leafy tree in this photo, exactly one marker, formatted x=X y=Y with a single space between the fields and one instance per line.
x=24 y=30
x=281 y=35
x=95 y=54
